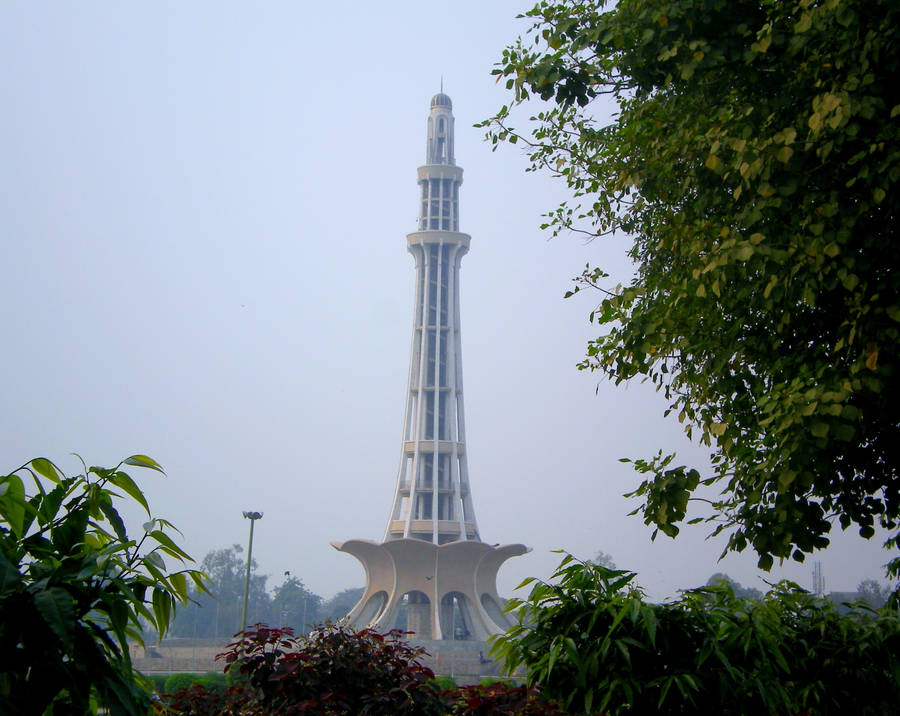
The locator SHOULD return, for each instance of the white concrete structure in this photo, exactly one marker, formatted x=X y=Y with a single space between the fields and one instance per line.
x=432 y=552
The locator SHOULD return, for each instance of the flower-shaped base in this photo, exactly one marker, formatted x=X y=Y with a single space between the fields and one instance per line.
x=459 y=577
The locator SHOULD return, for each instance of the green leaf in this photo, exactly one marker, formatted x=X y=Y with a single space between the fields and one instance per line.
x=57 y=608
x=115 y=520
x=162 y=609
x=819 y=430
x=167 y=542
x=12 y=503
x=143 y=461
x=123 y=481
x=155 y=558
x=10 y=578
x=744 y=252
x=179 y=584
x=46 y=468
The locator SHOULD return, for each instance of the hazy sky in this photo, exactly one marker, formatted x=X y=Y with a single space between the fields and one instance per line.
x=203 y=210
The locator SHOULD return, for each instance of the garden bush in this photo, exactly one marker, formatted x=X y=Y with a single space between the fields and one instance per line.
x=591 y=641
x=177 y=682
x=501 y=699
x=334 y=670
x=445 y=683
x=158 y=681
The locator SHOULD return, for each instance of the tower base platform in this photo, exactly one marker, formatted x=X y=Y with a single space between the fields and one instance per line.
x=448 y=592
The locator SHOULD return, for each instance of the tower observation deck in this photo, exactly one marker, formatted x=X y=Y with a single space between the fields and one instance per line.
x=432 y=560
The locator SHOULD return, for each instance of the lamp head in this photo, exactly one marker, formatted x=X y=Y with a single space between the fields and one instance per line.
x=253 y=515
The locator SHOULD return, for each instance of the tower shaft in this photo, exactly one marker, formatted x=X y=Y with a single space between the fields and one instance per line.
x=432 y=500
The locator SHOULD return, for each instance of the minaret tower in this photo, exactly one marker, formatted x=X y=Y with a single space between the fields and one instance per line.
x=432 y=500
x=432 y=553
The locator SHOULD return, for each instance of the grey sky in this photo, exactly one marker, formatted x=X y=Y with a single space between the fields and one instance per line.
x=203 y=210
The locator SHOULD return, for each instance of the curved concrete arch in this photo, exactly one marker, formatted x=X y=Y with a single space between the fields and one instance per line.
x=380 y=573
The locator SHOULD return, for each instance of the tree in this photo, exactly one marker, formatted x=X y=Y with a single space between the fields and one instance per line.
x=293 y=605
x=341 y=603
x=873 y=592
x=740 y=591
x=216 y=613
x=74 y=588
x=604 y=559
x=753 y=158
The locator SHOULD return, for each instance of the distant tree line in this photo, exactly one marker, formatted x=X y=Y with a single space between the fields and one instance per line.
x=217 y=614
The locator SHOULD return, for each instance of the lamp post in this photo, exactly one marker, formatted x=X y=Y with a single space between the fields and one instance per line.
x=252 y=516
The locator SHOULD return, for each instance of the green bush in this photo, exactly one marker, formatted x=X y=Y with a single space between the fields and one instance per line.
x=491 y=680
x=159 y=682
x=592 y=642
x=76 y=587
x=335 y=669
x=177 y=682
x=444 y=683
x=501 y=699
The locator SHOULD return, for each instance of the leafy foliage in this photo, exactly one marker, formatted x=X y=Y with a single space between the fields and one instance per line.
x=753 y=156
x=591 y=641
x=197 y=699
x=739 y=590
x=294 y=605
x=340 y=604
x=74 y=588
x=500 y=699
x=337 y=671
x=873 y=592
x=215 y=612
x=334 y=670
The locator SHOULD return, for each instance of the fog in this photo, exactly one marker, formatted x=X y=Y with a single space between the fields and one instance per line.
x=204 y=208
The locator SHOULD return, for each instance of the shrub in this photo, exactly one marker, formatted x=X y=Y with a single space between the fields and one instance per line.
x=196 y=700
x=592 y=642
x=75 y=588
x=501 y=699
x=159 y=682
x=177 y=682
x=334 y=670
x=445 y=683
x=491 y=680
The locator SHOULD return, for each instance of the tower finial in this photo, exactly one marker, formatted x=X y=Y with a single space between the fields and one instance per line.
x=442 y=84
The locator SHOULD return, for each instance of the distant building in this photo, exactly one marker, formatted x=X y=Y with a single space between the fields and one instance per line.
x=432 y=564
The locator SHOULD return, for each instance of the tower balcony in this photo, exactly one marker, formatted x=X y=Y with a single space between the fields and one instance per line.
x=440 y=171
x=426 y=447
x=406 y=486
x=419 y=238
x=426 y=527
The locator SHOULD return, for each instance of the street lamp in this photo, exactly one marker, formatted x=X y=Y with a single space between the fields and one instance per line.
x=252 y=516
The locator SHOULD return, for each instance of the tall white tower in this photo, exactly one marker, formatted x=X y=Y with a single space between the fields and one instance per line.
x=432 y=499
x=432 y=554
